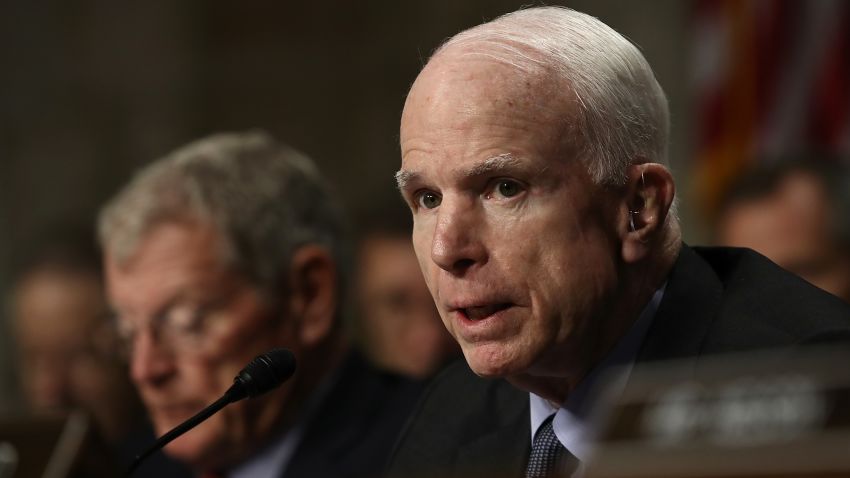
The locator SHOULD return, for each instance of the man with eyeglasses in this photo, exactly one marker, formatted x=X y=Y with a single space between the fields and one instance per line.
x=224 y=249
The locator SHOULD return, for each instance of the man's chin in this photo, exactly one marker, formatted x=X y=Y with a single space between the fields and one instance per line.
x=491 y=361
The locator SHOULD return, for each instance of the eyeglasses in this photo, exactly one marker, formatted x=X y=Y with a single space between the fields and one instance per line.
x=183 y=326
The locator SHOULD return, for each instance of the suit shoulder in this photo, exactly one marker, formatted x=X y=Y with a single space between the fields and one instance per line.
x=461 y=398
x=763 y=298
x=457 y=407
x=357 y=423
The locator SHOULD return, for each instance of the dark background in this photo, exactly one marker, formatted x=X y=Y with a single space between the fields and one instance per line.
x=91 y=90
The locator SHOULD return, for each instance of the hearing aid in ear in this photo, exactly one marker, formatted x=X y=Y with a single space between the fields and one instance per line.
x=633 y=212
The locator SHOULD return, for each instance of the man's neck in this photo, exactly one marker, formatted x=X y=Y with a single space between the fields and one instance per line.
x=639 y=284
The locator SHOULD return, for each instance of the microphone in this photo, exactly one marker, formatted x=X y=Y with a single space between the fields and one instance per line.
x=262 y=374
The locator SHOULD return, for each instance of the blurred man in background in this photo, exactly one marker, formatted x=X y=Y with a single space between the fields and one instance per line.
x=397 y=321
x=797 y=213
x=224 y=249
x=67 y=353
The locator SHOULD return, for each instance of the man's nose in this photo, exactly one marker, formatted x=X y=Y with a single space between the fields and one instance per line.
x=456 y=245
x=150 y=363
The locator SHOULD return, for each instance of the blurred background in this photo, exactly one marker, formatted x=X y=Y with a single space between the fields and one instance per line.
x=91 y=90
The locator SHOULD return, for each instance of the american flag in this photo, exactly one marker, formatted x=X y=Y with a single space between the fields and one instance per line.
x=772 y=79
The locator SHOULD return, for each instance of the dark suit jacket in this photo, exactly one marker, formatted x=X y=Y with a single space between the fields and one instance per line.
x=350 y=435
x=717 y=300
x=354 y=429
x=158 y=465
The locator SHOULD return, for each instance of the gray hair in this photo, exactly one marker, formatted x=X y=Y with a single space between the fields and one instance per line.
x=624 y=117
x=265 y=199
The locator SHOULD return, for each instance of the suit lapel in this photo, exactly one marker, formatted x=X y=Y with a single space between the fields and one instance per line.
x=339 y=422
x=505 y=449
x=690 y=304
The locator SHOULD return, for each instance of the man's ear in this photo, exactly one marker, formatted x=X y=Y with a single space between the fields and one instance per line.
x=313 y=293
x=646 y=203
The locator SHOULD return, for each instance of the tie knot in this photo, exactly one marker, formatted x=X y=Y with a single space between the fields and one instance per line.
x=545 y=436
x=548 y=457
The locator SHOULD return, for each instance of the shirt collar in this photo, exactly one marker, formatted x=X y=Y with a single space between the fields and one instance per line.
x=274 y=456
x=572 y=418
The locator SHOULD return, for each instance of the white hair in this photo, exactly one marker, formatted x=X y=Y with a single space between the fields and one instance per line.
x=623 y=113
x=264 y=198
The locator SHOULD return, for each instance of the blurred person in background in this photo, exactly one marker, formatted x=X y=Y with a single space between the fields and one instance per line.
x=398 y=323
x=219 y=252
x=68 y=354
x=796 y=212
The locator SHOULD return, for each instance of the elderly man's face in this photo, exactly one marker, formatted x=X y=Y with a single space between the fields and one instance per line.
x=193 y=324
x=516 y=242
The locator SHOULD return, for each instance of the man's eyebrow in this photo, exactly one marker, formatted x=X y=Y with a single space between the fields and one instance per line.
x=403 y=178
x=502 y=162
x=496 y=163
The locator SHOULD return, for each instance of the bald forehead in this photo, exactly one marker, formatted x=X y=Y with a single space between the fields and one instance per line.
x=455 y=92
x=464 y=87
x=481 y=74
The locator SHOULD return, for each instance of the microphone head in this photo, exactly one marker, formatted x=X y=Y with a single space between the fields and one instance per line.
x=262 y=374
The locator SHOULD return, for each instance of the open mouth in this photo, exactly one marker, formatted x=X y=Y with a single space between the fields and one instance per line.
x=482 y=312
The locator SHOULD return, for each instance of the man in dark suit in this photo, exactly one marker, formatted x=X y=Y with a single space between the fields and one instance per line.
x=534 y=163
x=227 y=248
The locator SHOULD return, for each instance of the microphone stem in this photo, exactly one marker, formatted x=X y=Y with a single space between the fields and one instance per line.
x=182 y=428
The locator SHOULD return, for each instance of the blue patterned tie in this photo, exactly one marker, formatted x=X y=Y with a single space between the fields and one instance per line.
x=548 y=457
